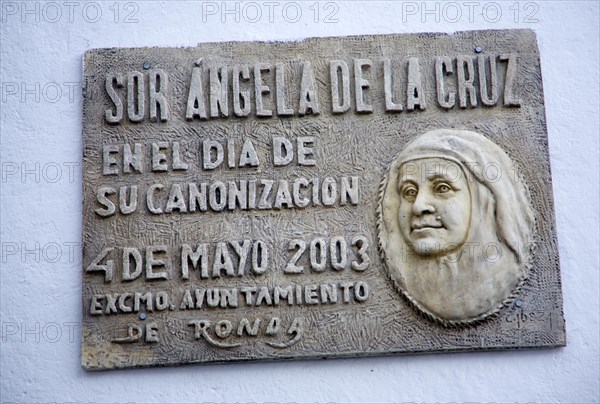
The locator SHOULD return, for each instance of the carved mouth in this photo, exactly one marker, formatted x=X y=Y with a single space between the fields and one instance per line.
x=422 y=226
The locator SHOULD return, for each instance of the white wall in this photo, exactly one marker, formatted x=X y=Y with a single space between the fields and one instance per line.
x=41 y=303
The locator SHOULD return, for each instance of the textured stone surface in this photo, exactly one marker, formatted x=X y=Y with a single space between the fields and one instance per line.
x=205 y=242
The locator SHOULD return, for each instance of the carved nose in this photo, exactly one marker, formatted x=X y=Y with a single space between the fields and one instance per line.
x=422 y=205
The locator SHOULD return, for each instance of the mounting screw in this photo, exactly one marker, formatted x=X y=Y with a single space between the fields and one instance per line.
x=519 y=303
x=142 y=316
x=146 y=65
x=478 y=49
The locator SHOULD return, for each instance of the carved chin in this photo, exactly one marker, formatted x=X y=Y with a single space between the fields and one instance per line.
x=426 y=249
x=432 y=246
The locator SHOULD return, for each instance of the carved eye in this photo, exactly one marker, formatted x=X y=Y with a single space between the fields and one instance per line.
x=410 y=194
x=442 y=188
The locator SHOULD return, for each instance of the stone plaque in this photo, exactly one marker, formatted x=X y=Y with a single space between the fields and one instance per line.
x=334 y=197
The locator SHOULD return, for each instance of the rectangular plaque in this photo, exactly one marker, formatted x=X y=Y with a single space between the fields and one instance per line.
x=334 y=197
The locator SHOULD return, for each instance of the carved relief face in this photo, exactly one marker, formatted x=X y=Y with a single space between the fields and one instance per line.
x=435 y=205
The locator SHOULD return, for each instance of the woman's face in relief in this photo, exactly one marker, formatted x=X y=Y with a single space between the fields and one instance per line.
x=435 y=205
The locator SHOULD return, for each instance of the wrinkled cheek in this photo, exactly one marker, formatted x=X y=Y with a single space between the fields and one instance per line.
x=404 y=215
x=404 y=222
x=457 y=220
